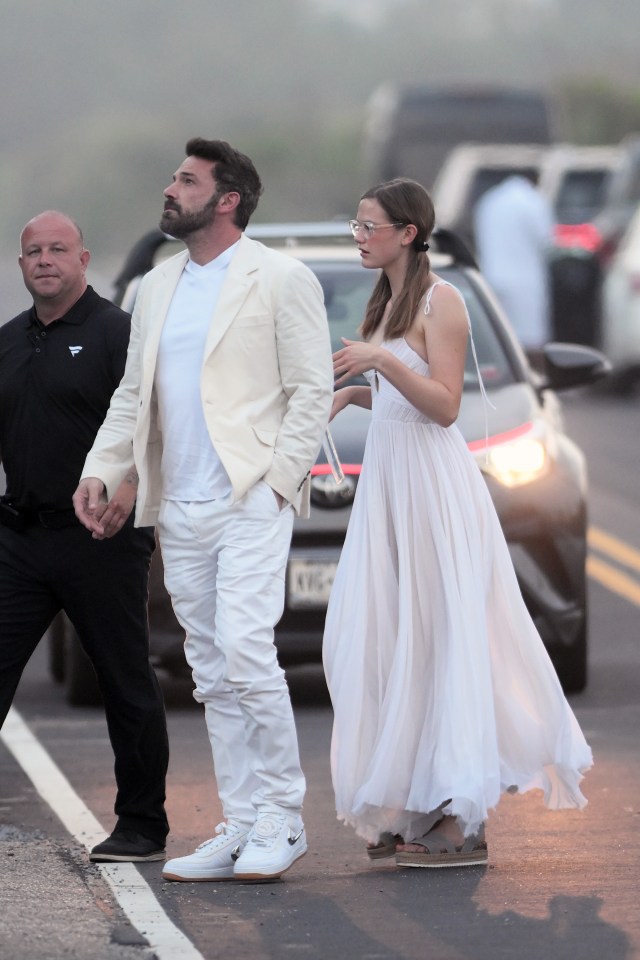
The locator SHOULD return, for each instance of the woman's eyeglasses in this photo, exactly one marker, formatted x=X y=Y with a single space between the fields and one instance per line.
x=367 y=228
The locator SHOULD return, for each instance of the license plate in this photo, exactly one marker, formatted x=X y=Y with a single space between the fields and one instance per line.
x=309 y=582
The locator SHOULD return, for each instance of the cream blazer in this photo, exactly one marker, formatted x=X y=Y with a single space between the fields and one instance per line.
x=266 y=384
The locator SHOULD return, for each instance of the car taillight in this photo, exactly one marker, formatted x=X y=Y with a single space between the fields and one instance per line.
x=582 y=236
x=322 y=469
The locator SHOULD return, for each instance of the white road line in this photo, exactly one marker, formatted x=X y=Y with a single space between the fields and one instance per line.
x=129 y=888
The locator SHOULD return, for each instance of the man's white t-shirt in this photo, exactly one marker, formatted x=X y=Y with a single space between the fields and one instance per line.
x=191 y=468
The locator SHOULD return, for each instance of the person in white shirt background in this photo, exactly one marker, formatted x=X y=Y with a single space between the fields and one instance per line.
x=513 y=225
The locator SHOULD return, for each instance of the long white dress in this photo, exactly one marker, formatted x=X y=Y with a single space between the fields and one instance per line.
x=443 y=693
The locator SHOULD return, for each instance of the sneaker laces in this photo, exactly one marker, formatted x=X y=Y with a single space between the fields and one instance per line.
x=223 y=831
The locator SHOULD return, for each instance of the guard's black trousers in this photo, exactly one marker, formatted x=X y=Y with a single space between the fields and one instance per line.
x=102 y=586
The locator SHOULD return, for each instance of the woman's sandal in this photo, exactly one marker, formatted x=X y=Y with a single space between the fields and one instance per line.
x=439 y=851
x=385 y=847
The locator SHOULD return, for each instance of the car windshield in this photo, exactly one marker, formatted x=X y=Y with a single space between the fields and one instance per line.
x=347 y=288
x=581 y=196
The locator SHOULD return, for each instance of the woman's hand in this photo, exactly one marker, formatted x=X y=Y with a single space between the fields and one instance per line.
x=360 y=396
x=341 y=399
x=354 y=358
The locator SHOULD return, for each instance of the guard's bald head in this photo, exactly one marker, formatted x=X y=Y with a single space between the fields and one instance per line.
x=51 y=219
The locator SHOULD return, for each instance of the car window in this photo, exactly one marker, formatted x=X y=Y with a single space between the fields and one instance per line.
x=347 y=288
x=581 y=195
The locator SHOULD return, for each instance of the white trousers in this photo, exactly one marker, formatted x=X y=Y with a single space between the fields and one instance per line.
x=224 y=571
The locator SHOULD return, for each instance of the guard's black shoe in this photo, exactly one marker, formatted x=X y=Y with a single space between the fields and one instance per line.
x=127 y=845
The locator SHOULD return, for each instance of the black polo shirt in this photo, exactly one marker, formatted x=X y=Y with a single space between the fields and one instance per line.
x=56 y=383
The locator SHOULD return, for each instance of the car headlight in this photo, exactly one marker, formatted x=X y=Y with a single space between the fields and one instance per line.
x=325 y=492
x=517 y=457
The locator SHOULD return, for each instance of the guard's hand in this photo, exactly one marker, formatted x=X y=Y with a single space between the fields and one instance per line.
x=116 y=512
x=89 y=503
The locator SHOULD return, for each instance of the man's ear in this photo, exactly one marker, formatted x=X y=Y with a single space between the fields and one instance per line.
x=228 y=202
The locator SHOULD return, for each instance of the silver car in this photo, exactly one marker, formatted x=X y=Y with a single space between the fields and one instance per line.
x=536 y=474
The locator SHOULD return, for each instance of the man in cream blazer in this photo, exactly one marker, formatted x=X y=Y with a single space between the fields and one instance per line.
x=222 y=409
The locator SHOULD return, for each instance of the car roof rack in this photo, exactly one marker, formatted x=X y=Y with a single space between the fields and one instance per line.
x=294 y=232
x=444 y=241
x=140 y=258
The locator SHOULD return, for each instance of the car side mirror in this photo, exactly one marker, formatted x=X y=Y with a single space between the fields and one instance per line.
x=569 y=365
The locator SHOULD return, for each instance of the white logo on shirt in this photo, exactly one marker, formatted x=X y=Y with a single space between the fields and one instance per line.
x=74 y=351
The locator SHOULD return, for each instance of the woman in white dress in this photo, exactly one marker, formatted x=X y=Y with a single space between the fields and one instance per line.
x=443 y=693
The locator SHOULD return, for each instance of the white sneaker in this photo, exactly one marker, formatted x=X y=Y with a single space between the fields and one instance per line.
x=213 y=859
x=274 y=843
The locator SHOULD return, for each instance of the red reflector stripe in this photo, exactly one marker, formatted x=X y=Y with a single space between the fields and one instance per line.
x=501 y=437
x=320 y=469
x=354 y=469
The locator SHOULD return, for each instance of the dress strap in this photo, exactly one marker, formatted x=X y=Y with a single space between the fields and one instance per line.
x=427 y=302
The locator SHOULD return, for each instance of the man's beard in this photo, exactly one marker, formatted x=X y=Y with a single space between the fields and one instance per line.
x=182 y=225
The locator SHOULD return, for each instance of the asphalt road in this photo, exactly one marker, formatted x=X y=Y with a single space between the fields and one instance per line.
x=559 y=885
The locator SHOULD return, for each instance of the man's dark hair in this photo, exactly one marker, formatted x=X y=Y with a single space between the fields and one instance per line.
x=233 y=171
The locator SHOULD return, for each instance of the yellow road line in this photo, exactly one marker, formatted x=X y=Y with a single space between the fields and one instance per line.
x=614 y=580
x=614 y=548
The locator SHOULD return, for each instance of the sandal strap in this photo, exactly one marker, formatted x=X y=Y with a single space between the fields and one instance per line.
x=435 y=839
x=436 y=842
x=474 y=841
